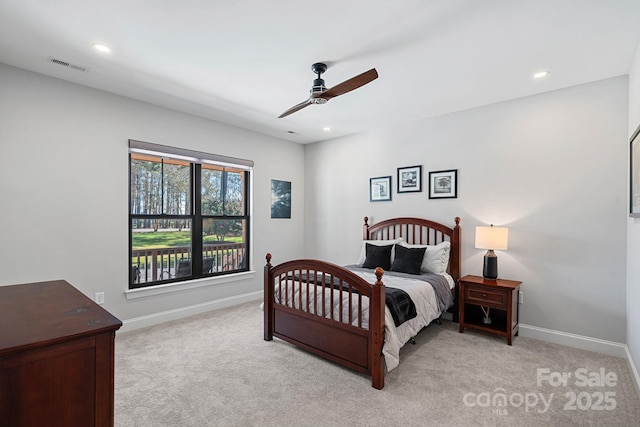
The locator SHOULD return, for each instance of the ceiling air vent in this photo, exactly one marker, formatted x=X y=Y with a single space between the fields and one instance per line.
x=68 y=65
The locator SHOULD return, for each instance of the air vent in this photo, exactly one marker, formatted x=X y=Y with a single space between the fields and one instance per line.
x=68 y=64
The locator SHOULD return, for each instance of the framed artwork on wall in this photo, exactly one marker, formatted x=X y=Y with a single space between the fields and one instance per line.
x=280 y=199
x=380 y=189
x=443 y=184
x=634 y=170
x=410 y=179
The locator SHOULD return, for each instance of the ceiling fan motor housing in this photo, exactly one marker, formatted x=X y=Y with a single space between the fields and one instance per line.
x=317 y=88
x=318 y=84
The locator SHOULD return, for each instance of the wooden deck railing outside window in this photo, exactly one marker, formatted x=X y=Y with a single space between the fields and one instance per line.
x=157 y=264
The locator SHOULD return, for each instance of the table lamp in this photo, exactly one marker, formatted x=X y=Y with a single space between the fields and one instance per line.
x=491 y=238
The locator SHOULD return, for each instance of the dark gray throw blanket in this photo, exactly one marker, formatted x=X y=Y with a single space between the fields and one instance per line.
x=400 y=305
x=438 y=282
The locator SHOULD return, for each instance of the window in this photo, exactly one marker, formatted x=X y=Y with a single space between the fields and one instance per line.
x=188 y=214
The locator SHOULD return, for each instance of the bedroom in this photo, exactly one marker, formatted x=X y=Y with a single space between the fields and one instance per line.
x=553 y=167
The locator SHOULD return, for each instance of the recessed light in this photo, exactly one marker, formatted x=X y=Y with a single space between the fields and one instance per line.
x=101 y=48
x=541 y=74
x=326 y=129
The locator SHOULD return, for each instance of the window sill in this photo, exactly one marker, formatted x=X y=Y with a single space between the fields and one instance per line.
x=183 y=286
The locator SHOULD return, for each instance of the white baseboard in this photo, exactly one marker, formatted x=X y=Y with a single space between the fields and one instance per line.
x=584 y=343
x=572 y=340
x=179 y=313
x=633 y=370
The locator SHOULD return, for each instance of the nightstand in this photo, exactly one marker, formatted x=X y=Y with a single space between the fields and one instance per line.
x=497 y=297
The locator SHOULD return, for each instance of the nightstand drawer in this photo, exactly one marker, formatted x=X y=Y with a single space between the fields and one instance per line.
x=486 y=297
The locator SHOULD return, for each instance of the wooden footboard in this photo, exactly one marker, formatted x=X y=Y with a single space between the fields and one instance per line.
x=329 y=311
x=320 y=307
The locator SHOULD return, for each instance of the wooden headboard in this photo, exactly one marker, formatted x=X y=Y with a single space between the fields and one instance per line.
x=419 y=231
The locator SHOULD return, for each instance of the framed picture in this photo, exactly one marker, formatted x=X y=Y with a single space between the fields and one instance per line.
x=443 y=184
x=634 y=184
x=380 y=189
x=280 y=199
x=410 y=179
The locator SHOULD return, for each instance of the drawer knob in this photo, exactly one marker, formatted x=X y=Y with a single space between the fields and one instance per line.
x=484 y=295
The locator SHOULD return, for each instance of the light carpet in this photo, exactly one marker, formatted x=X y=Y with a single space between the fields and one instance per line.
x=215 y=369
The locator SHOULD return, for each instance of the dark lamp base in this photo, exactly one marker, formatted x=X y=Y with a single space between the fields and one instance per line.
x=490 y=270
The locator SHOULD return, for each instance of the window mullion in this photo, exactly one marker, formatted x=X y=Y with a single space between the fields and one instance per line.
x=196 y=215
x=162 y=207
x=223 y=190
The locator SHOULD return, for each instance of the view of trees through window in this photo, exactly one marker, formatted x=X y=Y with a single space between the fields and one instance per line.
x=188 y=220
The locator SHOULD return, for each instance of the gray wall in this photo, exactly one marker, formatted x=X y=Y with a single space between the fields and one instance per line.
x=551 y=167
x=633 y=232
x=64 y=188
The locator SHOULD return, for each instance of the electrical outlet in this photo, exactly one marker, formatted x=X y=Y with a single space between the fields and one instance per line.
x=520 y=297
x=99 y=297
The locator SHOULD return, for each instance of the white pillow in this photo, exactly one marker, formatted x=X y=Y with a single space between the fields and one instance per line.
x=363 y=251
x=436 y=257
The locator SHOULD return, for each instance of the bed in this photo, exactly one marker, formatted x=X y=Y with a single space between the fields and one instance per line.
x=344 y=313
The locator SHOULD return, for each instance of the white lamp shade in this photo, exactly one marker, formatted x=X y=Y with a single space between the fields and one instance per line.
x=492 y=238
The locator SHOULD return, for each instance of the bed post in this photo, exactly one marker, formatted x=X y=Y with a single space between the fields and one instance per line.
x=365 y=229
x=455 y=264
x=268 y=300
x=376 y=323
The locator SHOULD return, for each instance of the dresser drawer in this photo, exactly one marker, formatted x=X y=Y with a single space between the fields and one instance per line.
x=484 y=296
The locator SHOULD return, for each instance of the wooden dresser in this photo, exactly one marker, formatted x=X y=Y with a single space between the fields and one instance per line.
x=56 y=357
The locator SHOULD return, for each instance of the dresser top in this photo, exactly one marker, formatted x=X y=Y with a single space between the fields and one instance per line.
x=44 y=313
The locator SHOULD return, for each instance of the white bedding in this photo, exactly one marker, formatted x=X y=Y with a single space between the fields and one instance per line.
x=423 y=297
x=421 y=293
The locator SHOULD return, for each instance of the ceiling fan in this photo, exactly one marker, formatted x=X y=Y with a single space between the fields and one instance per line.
x=320 y=94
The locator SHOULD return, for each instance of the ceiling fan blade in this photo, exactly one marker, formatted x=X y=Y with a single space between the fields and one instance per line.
x=295 y=108
x=351 y=84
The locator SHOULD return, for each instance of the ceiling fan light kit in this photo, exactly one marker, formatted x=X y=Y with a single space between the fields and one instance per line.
x=321 y=95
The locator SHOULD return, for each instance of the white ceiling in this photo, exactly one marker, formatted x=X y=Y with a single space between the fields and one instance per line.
x=244 y=62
